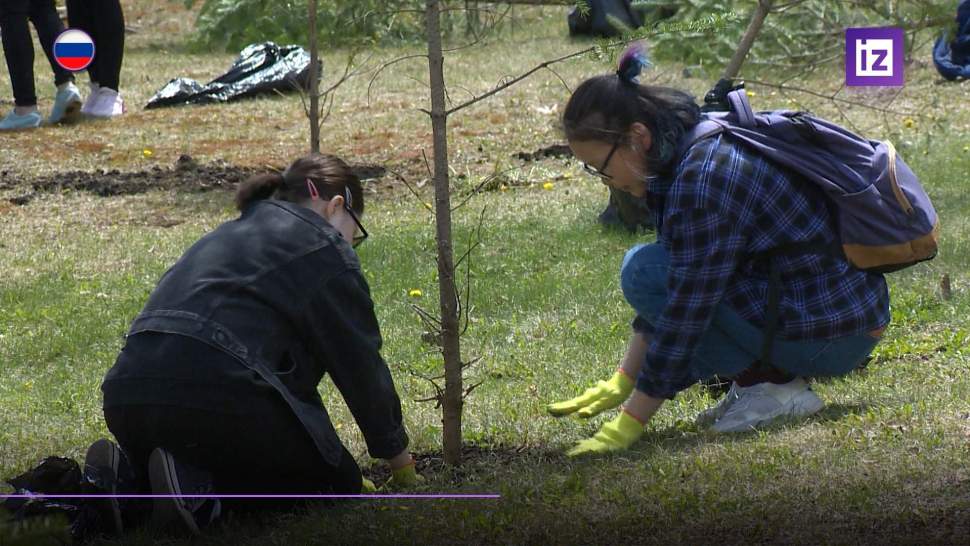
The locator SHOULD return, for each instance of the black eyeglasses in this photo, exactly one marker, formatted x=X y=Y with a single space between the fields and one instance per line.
x=348 y=203
x=599 y=172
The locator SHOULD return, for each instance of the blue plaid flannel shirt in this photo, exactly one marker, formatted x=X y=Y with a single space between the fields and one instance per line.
x=722 y=203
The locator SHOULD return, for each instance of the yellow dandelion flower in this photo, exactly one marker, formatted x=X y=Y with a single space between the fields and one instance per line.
x=147 y=152
x=415 y=293
x=909 y=123
x=428 y=206
x=548 y=186
x=750 y=93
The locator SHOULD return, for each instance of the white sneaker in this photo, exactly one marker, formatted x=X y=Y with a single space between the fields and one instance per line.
x=108 y=104
x=67 y=105
x=758 y=404
x=711 y=415
x=92 y=98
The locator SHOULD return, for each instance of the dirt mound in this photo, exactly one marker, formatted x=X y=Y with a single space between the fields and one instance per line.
x=556 y=150
x=187 y=175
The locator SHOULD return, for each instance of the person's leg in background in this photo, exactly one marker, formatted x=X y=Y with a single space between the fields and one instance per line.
x=18 y=49
x=109 y=26
x=80 y=15
x=67 y=101
x=104 y=20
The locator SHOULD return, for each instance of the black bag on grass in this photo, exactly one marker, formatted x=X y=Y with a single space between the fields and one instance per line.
x=259 y=69
x=603 y=18
x=46 y=520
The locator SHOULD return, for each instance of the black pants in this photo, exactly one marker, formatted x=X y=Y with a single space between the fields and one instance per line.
x=265 y=453
x=18 y=46
x=105 y=22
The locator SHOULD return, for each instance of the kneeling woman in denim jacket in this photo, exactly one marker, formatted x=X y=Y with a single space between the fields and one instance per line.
x=216 y=388
x=699 y=296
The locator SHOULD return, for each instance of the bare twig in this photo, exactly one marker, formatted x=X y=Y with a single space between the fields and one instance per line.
x=561 y=80
x=428 y=317
x=832 y=98
x=482 y=184
x=427 y=164
x=485 y=32
x=407 y=184
x=468 y=282
x=386 y=65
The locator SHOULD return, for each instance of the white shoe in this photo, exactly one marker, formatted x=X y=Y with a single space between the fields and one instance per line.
x=92 y=97
x=67 y=105
x=711 y=415
x=758 y=404
x=108 y=104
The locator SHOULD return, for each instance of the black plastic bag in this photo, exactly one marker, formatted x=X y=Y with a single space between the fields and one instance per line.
x=47 y=520
x=259 y=69
x=603 y=17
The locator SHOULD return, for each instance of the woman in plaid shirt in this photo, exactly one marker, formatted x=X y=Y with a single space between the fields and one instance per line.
x=698 y=292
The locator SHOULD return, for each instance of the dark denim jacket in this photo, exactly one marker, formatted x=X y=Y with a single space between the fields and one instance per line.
x=280 y=296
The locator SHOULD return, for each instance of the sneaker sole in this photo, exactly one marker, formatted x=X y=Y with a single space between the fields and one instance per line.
x=73 y=112
x=105 y=454
x=168 y=513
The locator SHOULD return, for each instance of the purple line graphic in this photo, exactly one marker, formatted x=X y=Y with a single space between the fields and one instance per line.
x=279 y=496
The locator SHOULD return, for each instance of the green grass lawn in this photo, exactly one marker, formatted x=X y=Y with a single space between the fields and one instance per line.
x=888 y=460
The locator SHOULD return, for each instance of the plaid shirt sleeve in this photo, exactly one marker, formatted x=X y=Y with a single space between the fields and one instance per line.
x=705 y=241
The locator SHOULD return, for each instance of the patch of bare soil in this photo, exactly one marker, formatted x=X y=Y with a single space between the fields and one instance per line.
x=474 y=459
x=186 y=175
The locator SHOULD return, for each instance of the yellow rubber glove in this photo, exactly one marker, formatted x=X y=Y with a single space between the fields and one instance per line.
x=605 y=395
x=404 y=477
x=367 y=487
x=617 y=435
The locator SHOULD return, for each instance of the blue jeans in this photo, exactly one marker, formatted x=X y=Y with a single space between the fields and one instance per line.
x=731 y=344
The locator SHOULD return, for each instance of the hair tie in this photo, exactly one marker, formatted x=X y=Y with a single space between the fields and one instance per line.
x=312 y=188
x=632 y=63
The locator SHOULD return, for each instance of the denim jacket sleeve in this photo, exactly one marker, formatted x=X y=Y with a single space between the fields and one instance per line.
x=344 y=332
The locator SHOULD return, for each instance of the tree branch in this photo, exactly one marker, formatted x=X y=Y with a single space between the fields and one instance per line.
x=831 y=97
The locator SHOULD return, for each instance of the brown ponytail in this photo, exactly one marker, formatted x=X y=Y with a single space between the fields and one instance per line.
x=330 y=174
x=257 y=188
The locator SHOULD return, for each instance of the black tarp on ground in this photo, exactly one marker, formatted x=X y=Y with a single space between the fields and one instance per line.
x=598 y=21
x=259 y=69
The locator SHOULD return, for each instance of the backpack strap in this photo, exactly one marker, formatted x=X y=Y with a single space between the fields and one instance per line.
x=738 y=99
x=707 y=127
x=773 y=309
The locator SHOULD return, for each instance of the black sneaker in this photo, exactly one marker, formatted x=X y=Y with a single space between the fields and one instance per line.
x=107 y=468
x=170 y=477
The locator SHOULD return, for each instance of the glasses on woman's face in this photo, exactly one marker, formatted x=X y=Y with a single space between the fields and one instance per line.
x=361 y=234
x=599 y=172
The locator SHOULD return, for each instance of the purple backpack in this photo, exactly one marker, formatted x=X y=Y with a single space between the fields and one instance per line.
x=886 y=221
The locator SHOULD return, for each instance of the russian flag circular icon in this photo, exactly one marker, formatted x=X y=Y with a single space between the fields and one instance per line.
x=74 y=50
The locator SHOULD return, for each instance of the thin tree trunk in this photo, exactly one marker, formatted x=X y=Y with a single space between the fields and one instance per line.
x=314 y=81
x=472 y=19
x=754 y=28
x=451 y=349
